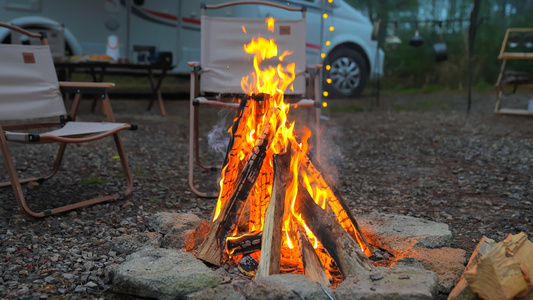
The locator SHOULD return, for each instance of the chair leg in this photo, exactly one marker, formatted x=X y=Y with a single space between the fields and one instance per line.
x=15 y=182
x=193 y=152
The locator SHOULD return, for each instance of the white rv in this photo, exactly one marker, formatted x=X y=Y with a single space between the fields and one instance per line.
x=337 y=35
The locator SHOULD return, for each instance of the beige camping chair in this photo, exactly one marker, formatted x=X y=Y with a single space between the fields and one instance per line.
x=30 y=95
x=216 y=79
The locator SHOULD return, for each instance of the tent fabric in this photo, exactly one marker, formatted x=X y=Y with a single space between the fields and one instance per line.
x=28 y=81
x=224 y=61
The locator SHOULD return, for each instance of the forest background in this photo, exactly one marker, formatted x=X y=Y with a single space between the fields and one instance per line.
x=407 y=67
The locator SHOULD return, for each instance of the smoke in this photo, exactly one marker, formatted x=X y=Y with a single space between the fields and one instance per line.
x=218 y=137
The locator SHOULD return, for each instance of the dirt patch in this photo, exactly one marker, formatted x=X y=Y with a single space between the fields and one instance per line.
x=414 y=154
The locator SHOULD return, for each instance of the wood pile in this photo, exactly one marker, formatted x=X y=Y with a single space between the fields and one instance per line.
x=501 y=270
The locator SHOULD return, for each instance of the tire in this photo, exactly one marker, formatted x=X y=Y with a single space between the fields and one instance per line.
x=349 y=73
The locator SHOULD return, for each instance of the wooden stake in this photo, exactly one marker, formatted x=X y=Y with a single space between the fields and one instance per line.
x=506 y=271
x=272 y=228
x=340 y=245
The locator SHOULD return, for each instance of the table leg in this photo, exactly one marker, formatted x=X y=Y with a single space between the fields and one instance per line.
x=156 y=90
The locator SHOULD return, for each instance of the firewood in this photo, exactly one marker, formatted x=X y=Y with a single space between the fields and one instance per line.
x=273 y=226
x=313 y=267
x=210 y=250
x=248 y=266
x=336 y=203
x=506 y=271
x=244 y=244
x=462 y=291
x=339 y=244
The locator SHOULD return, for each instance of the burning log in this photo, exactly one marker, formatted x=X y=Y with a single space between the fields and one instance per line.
x=211 y=249
x=344 y=250
x=313 y=268
x=244 y=244
x=337 y=203
x=273 y=226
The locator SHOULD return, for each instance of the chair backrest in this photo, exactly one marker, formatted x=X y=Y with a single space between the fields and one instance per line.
x=55 y=37
x=224 y=61
x=28 y=83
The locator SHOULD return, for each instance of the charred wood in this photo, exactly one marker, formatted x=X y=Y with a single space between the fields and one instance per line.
x=339 y=244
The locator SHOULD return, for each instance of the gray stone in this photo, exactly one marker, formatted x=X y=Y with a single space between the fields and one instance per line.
x=130 y=243
x=397 y=283
x=286 y=286
x=398 y=233
x=163 y=274
x=448 y=263
x=219 y=292
x=181 y=230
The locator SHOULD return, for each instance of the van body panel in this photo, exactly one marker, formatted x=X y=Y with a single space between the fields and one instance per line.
x=174 y=26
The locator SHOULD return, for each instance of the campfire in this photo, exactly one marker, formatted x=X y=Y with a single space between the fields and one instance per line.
x=275 y=204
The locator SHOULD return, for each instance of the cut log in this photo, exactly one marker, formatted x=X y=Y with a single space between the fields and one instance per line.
x=313 y=268
x=339 y=244
x=337 y=203
x=506 y=271
x=210 y=250
x=273 y=227
x=462 y=291
x=244 y=244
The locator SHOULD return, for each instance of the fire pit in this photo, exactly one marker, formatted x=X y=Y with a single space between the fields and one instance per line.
x=275 y=205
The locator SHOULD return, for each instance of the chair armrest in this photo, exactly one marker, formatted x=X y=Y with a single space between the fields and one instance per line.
x=94 y=88
x=314 y=67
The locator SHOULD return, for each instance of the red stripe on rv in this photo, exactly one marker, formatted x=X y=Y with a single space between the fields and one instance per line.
x=189 y=20
x=161 y=15
x=314 y=46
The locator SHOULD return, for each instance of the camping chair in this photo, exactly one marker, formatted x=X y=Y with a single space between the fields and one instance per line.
x=30 y=95
x=216 y=79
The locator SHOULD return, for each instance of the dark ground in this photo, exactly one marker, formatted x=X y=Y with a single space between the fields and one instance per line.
x=415 y=154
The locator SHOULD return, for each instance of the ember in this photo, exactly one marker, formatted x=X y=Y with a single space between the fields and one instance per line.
x=274 y=204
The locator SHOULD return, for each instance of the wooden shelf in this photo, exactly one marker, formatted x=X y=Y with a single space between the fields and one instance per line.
x=514 y=112
x=516 y=55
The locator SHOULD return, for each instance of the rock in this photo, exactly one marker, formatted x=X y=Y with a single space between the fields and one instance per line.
x=448 y=263
x=163 y=274
x=130 y=243
x=220 y=292
x=398 y=233
x=181 y=230
x=286 y=286
x=397 y=283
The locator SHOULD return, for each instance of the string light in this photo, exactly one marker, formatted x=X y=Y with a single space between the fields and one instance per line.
x=329 y=80
x=325 y=16
x=323 y=55
x=324 y=104
x=325 y=93
x=331 y=28
x=328 y=43
x=328 y=67
x=330 y=1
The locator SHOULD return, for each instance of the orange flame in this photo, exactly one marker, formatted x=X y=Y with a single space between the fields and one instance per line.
x=272 y=114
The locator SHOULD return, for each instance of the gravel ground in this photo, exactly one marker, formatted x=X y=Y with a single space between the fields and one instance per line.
x=417 y=155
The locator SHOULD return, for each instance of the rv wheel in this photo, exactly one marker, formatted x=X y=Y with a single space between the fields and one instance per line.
x=348 y=73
